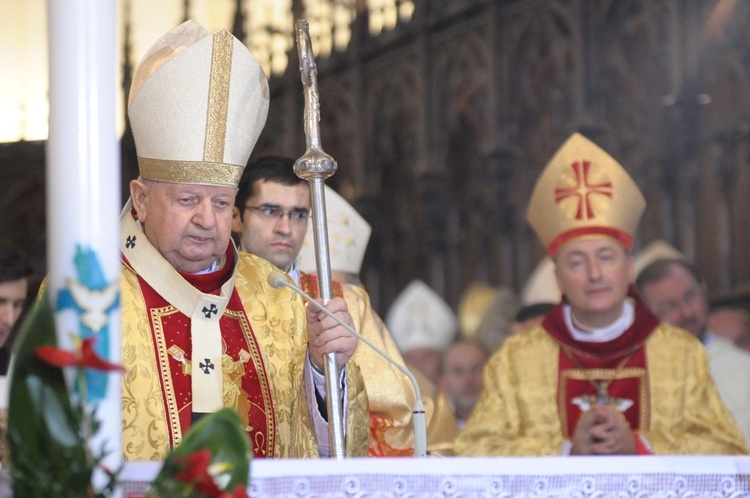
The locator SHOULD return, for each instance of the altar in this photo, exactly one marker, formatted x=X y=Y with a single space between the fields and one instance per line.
x=549 y=477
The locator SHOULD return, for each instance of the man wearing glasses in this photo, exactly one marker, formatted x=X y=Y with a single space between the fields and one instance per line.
x=193 y=339
x=271 y=212
x=674 y=290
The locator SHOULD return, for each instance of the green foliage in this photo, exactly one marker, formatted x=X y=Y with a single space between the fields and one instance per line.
x=48 y=455
x=47 y=432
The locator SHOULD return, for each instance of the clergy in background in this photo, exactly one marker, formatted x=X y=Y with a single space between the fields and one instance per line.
x=601 y=375
x=389 y=391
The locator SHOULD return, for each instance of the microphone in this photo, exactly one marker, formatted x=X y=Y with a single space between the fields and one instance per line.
x=278 y=280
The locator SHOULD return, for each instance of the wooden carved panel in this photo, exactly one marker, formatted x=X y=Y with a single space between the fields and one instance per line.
x=395 y=149
x=339 y=122
x=724 y=85
x=443 y=124
x=633 y=79
x=23 y=222
x=544 y=79
x=461 y=127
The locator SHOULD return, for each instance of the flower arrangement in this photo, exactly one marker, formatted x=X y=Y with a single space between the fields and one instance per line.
x=49 y=430
x=213 y=460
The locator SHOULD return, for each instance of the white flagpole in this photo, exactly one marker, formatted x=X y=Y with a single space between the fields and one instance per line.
x=83 y=199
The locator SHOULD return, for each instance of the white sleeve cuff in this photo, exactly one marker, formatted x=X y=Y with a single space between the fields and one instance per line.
x=567 y=447
x=315 y=380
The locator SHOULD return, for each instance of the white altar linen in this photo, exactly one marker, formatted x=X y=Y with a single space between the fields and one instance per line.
x=531 y=477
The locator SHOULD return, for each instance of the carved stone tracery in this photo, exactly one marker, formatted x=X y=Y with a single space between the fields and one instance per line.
x=442 y=125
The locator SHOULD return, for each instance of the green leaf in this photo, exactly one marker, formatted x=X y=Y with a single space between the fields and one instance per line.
x=47 y=453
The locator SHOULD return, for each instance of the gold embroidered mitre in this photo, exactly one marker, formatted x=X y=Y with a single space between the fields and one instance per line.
x=197 y=105
x=584 y=192
x=476 y=300
x=348 y=234
x=541 y=286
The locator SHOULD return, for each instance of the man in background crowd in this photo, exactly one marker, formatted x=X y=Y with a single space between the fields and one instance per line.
x=674 y=291
x=270 y=183
x=462 y=377
x=15 y=272
x=731 y=323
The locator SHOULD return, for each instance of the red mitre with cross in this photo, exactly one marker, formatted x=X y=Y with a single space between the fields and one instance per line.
x=584 y=192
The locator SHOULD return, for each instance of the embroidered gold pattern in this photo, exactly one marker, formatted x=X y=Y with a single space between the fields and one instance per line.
x=259 y=446
x=257 y=360
x=610 y=375
x=195 y=172
x=162 y=357
x=218 y=97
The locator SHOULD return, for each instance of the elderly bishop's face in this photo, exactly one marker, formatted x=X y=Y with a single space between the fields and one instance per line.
x=190 y=225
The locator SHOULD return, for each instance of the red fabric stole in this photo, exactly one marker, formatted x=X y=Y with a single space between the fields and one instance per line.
x=309 y=285
x=378 y=424
x=246 y=387
x=598 y=361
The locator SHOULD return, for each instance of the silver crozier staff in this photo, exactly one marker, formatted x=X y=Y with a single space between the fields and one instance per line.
x=315 y=166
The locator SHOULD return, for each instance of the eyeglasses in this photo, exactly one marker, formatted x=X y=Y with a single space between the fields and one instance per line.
x=671 y=306
x=270 y=213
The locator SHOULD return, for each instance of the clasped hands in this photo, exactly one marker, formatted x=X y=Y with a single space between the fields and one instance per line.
x=326 y=335
x=603 y=430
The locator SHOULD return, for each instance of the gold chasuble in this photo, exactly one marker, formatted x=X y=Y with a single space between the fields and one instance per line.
x=389 y=391
x=540 y=382
x=257 y=368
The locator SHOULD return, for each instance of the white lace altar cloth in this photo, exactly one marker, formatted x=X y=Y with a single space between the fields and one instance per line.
x=539 y=477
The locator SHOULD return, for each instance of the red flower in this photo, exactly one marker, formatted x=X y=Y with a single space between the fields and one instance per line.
x=196 y=473
x=86 y=357
x=239 y=492
x=195 y=466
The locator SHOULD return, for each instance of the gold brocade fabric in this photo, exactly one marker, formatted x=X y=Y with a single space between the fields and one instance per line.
x=218 y=97
x=278 y=323
x=357 y=416
x=390 y=393
x=164 y=170
x=517 y=413
x=441 y=424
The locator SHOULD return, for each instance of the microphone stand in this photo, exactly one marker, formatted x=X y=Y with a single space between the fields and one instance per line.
x=315 y=166
x=278 y=280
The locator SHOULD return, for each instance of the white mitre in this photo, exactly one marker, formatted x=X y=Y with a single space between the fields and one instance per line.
x=348 y=235
x=420 y=318
x=541 y=286
x=658 y=249
x=197 y=105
